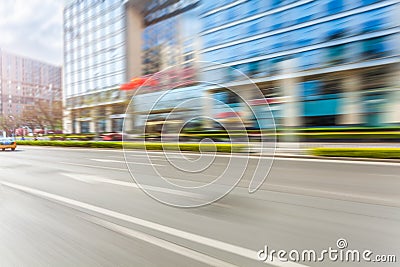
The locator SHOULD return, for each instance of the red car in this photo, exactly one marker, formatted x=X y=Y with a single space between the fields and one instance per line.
x=113 y=137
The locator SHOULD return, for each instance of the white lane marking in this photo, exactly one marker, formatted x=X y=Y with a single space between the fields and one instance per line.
x=147 y=156
x=122 y=161
x=160 y=243
x=244 y=252
x=94 y=179
x=356 y=162
x=107 y=160
x=93 y=166
x=175 y=156
x=388 y=175
x=145 y=163
x=81 y=178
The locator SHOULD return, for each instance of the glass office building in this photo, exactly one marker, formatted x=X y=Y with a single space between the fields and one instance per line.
x=109 y=42
x=170 y=50
x=317 y=62
x=95 y=56
x=94 y=46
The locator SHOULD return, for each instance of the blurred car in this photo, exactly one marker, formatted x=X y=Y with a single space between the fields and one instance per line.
x=38 y=131
x=199 y=125
x=54 y=131
x=112 y=137
x=8 y=142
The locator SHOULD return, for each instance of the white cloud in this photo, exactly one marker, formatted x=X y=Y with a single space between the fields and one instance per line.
x=32 y=28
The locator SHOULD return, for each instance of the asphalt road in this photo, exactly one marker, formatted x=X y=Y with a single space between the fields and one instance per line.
x=76 y=207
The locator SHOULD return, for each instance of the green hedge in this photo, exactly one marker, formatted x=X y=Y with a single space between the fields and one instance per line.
x=140 y=145
x=309 y=130
x=302 y=136
x=350 y=136
x=71 y=137
x=379 y=153
x=342 y=129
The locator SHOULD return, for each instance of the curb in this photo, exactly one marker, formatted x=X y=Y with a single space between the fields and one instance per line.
x=332 y=158
x=254 y=154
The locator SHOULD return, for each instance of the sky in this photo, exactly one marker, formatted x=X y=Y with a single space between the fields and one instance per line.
x=33 y=28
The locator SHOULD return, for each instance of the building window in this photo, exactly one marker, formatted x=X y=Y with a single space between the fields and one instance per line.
x=335 y=6
x=369 y=2
x=336 y=54
x=373 y=48
x=253 y=68
x=230 y=14
x=117 y=124
x=305 y=12
x=336 y=34
x=333 y=86
x=276 y=3
x=253 y=7
x=271 y=91
x=101 y=126
x=274 y=64
x=253 y=28
x=227 y=97
x=278 y=19
x=85 y=127
x=372 y=25
x=208 y=22
x=376 y=79
x=310 y=88
x=230 y=74
x=309 y=59
x=315 y=89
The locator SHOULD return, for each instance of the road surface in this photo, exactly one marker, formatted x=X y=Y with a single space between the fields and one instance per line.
x=78 y=207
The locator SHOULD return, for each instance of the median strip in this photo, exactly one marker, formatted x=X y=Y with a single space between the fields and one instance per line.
x=227 y=148
x=377 y=153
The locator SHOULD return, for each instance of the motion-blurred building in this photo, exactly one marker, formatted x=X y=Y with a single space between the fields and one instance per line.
x=97 y=59
x=107 y=43
x=23 y=83
x=171 y=46
x=318 y=63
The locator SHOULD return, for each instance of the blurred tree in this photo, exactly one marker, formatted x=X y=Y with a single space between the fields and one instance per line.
x=9 y=123
x=43 y=113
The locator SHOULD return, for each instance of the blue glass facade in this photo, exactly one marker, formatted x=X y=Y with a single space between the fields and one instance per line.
x=316 y=32
x=170 y=42
x=340 y=52
x=95 y=63
x=256 y=36
x=94 y=46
